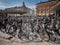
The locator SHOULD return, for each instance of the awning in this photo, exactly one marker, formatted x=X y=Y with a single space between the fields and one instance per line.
x=43 y=14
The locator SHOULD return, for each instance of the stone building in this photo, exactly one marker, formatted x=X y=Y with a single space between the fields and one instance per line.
x=19 y=10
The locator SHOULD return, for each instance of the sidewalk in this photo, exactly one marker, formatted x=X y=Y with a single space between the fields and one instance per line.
x=15 y=41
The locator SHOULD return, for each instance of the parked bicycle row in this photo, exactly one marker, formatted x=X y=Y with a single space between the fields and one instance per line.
x=31 y=28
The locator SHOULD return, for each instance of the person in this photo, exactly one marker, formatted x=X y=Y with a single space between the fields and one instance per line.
x=57 y=28
x=0 y=24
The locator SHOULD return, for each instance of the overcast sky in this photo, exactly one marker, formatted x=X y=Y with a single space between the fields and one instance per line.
x=12 y=3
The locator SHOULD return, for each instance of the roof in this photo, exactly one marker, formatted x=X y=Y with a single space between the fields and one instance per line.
x=18 y=9
x=56 y=7
x=46 y=2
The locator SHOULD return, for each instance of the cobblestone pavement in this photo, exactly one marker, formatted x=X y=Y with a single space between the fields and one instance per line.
x=4 y=42
x=15 y=42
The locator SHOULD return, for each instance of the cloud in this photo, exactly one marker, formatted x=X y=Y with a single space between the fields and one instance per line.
x=32 y=6
x=2 y=6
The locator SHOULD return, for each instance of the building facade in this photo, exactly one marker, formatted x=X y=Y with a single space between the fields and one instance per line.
x=42 y=8
x=19 y=10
